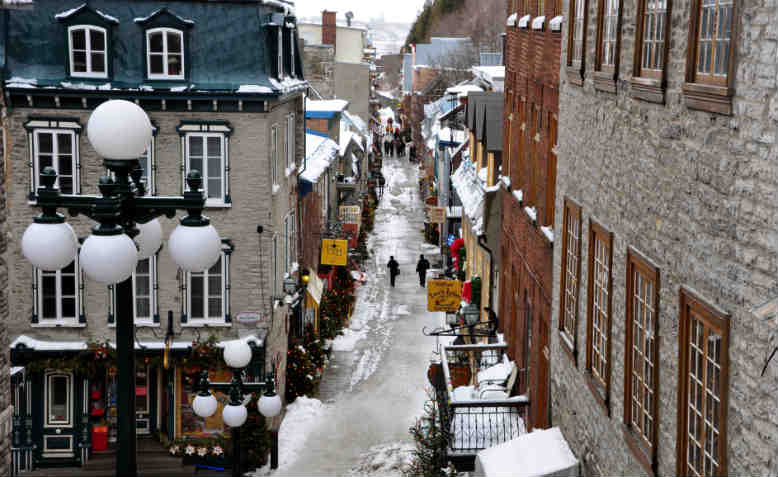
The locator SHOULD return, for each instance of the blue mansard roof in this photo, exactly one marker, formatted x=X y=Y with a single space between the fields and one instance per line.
x=230 y=46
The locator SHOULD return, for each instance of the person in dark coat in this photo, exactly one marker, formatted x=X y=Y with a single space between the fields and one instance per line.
x=394 y=269
x=421 y=267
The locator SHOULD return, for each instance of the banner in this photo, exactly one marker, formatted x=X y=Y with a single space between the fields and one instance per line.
x=444 y=295
x=334 y=252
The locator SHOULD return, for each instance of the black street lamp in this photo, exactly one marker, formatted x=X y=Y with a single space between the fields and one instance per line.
x=237 y=355
x=127 y=231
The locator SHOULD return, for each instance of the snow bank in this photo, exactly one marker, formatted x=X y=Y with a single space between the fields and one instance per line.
x=300 y=419
x=471 y=192
x=348 y=340
x=539 y=453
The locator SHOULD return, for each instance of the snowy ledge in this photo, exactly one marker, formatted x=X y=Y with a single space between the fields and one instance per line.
x=548 y=232
x=538 y=22
x=532 y=213
x=511 y=22
x=519 y=195
x=556 y=23
x=524 y=21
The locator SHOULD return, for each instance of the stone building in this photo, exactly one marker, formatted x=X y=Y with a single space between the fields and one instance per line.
x=666 y=226
x=6 y=409
x=242 y=126
x=529 y=165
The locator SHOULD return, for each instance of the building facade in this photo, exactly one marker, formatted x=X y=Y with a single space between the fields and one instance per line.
x=531 y=109
x=242 y=128
x=666 y=220
x=6 y=409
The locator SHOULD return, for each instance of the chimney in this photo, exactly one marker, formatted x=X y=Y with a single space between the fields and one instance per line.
x=329 y=28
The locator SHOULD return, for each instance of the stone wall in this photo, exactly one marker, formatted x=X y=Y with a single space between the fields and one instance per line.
x=253 y=203
x=696 y=193
x=319 y=69
x=5 y=386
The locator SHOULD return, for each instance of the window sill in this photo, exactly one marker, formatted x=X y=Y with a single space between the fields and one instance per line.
x=89 y=75
x=139 y=324
x=568 y=347
x=217 y=204
x=600 y=394
x=637 y=450
x=575 y=75
x=205 y=324
x=648 y=89
x=605 y=81
x=58 y=325
x=165 y=78
x=710 y=98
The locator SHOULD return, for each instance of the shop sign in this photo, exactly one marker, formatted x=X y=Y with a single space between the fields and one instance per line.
x=334 y=252
x=249 y=317
x=444 y=295
x=436 y=215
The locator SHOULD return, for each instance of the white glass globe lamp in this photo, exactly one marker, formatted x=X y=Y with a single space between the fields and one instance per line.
x=234 y=415
x=204 y=404
x=149 y=239
x=270 y=404
x=49 y=243
x=119 y=130
x=237 y=354
x=195 y=247
x=108 y=255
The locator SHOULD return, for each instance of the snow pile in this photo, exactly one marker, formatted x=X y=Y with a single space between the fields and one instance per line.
x=330 y=105
x=320 y=152
x=300 y=419
x=348 y=340
x=471 y=193
x=253 y=88
x=19 y=82
x=539 y=453
x=288 y=85
x=384 y=460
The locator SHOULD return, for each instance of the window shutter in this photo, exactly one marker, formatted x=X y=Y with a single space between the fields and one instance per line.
x=34 y=296
x=31 y=164
x=155 y=288
x=81 y=286
x=184 y=146
x=77 y=156
x=184 y=297
x=226 y=277
x=227 y=196
x=111 y=305
x=152 y=174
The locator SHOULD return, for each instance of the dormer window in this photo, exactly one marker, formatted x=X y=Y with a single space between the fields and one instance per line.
x=88 y=52
x=165 y=53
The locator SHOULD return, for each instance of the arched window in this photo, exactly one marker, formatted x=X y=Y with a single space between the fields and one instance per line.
x=165 y=53
x=88 y=51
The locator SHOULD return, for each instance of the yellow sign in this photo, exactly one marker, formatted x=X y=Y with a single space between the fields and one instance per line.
x=444 y=295
x=334 y=252
x=437 y=215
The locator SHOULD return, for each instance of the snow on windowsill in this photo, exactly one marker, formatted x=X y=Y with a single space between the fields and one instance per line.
x=519 y=195
x=512 y=20
x=58 y=325
x=548 y=232
x=556 y=23
x=532 y=213
x=537 y=23
x=206 y=324
x=507 y=181
x=524 y=21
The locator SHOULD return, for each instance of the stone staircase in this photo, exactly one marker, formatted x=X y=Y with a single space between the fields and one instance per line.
x=153 y=461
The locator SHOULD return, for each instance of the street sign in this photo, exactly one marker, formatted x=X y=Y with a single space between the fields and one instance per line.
x=334 y=252
x=249 y=317
x=437 y=215
x=444 y=295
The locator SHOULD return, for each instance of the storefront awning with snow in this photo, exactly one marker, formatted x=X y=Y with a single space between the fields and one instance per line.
x=470 y=190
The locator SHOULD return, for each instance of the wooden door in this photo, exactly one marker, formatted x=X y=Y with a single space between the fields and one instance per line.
x=541 y=352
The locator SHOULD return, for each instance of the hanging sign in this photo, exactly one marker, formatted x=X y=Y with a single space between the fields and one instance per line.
x=334 y=252
x=437 y=215
x=444 y=295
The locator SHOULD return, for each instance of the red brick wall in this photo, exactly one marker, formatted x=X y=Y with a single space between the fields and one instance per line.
x=318 y=124
x=532 y=82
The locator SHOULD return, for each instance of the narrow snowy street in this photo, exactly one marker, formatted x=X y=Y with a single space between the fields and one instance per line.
x=374 y=387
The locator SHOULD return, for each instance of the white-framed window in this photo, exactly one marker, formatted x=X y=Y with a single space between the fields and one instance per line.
x=208 y=294
x=88 y=49
x=58 y=296
x=206 y=152
x=165 y=53
x=59 y=399
x=291 y=53
x=275 y=152
x=290 y=142
x=289 y=242
x=57 y=148
x=145 y=298
x=148 y=163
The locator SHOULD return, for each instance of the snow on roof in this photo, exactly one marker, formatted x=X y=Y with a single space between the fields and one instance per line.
x=40 y=345
x=356 y=121
x=288 y=85
x=287 y=7
x=155 y=12
x=537 y=22
x=512 y=20
x=19 y=82
x=68 y=13
x=471 y=193
x=345 y=138
x=490 y=73
x=463 y=89
x=319 y=154
x=253 y=88
x=538 y=453
x=337 y=105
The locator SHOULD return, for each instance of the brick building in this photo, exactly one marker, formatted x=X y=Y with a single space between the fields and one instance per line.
x=531 y=107
x=242 y=128
x=666 y=226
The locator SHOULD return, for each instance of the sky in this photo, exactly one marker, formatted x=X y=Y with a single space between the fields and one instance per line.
x=393 y=10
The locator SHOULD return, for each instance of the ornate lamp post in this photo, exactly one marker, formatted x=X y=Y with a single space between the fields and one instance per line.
x=127 y=230
x=237 y=355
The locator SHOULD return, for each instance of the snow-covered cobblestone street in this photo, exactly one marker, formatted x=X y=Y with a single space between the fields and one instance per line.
x=374 y=387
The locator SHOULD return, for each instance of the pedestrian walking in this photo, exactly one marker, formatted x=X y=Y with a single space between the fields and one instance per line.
x=421 y=267
x=394 y=269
